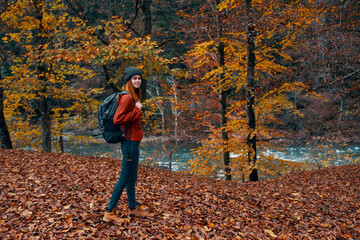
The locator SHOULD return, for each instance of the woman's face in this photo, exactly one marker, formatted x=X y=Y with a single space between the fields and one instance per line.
x=136 y=81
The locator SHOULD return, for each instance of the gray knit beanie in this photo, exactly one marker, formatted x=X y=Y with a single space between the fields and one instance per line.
x=130 y=72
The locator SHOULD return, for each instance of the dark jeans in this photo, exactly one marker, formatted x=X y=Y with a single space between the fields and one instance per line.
x=128 y=175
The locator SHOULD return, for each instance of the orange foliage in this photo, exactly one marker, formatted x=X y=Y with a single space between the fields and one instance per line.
x=70 y=47
x=271 y=94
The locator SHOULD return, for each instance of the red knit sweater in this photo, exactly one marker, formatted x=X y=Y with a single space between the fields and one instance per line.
x=127 y=113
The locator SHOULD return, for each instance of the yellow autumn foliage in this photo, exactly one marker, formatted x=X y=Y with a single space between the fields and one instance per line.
x=275 y=25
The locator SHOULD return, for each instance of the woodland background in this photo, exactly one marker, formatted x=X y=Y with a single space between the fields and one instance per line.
x=234 y=75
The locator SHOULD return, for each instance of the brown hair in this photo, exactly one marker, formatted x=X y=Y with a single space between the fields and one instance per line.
x=135 y=92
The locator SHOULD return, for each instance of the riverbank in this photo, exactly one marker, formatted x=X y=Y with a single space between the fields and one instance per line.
x=62 y=196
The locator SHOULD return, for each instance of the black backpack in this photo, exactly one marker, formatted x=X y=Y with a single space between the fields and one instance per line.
x=106 y=111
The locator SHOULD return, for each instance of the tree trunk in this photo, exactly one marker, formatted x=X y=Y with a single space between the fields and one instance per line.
x=143 y=90
x=225 y=136
x=223 y=95
x=250 y=94
x=223 y=118
x=45 y=124
x=170 y=154
x=41 y=72
x=61 y=138
x=4 y=132
x=147 y=30
x=147 y=21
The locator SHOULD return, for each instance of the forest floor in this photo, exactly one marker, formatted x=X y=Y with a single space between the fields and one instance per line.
x=61 y=196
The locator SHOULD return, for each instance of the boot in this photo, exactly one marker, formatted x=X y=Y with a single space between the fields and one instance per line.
x=112 y=216
x=138 y=212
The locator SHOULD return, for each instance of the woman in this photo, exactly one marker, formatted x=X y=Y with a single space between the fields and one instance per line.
x=128 y=114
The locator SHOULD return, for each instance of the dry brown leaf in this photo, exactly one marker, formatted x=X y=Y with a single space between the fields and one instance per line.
x=70 y=204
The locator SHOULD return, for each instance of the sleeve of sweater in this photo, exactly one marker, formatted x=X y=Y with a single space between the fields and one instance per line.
x=126 y=111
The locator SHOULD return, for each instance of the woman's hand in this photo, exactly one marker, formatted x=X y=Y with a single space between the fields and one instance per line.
x=138 y=105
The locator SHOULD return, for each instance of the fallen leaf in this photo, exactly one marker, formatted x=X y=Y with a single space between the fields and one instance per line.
x=270 y=233
x=26 y=213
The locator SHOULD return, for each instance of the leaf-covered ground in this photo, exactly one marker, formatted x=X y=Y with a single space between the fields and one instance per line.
x=61 y=196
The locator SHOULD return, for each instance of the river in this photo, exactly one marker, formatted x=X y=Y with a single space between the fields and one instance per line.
x=151 y=153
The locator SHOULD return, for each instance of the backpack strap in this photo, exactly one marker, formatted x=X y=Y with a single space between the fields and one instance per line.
x=128 y=128
x=120 y=94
